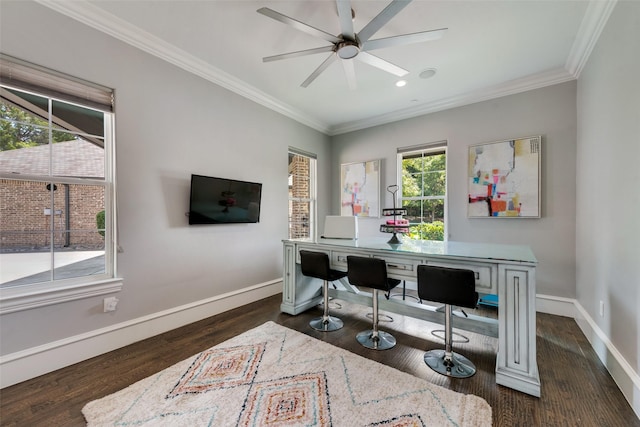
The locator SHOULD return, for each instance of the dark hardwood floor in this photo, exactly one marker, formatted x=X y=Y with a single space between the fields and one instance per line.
x=576 y=388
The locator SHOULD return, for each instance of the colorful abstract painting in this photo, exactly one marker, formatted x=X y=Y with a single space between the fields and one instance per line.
x=504 y=179
x=360 y=189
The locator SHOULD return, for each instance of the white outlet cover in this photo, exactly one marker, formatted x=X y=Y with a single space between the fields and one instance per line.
x=110 y=304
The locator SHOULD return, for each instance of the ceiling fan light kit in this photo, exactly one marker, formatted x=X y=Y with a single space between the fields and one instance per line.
x=348 y=45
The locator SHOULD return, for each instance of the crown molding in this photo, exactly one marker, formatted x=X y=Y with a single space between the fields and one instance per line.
x=593 y=22
x=513 y=87
x=99 y=19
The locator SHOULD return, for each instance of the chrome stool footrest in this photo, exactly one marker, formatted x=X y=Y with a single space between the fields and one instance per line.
x=332 y=304
x=437 y=332
x=404 y=297
x=381 y=317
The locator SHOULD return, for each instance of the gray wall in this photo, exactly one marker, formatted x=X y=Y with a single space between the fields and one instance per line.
x=550 y=112
x=169 y=124
x=608 y=176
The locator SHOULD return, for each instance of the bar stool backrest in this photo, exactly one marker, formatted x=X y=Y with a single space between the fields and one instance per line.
x=368 y=272
x=315 y=264
x=451 y=286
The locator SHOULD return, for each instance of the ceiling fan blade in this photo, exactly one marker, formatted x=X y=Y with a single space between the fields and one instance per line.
x=300 y=26
x=319 y=70
x=387 y=66
x=383 y=17
x=404 y=39
x=350 y=72
x=297 y=54
x=346 y=19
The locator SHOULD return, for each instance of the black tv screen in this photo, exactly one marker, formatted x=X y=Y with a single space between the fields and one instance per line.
x=223 y=201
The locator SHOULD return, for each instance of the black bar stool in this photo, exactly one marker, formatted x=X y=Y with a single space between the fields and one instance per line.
x=372 y=273
x=452 y=287
x=316 y=264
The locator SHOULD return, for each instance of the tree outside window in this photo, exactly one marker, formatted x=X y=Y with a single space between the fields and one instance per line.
x=424 y=180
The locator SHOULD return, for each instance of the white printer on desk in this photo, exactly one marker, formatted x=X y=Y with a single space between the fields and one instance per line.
x=340 y=227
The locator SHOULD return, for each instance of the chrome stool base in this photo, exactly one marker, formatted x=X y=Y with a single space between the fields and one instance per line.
x=327 y=324
x=383 y=341
x=457 y=367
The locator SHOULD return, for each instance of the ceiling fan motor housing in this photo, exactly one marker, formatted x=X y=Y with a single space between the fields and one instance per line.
x=347 y=49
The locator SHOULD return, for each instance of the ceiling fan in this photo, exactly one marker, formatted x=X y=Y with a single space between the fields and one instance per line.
x=350 y=45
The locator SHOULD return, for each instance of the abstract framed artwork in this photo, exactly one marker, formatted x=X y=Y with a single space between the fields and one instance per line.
x=360 y=189
x=504 y=179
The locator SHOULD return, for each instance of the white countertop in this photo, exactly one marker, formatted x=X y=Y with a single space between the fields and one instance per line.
x=484 y=251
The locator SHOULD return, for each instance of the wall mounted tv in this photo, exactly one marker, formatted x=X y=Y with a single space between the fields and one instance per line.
x=223 y=201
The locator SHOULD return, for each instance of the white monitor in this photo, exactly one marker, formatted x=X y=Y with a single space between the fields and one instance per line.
x=340 y=227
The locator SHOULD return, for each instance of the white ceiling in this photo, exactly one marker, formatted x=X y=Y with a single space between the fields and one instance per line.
x=491 y=49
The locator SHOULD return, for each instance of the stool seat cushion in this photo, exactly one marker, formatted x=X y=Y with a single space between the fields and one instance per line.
x=451 y=286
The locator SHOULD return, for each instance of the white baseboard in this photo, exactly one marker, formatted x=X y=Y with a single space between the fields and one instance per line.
x=30 y=363
x=558 y=306
x=623 y=374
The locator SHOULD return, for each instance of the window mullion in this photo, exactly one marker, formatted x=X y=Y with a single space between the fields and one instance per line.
x=52 y=205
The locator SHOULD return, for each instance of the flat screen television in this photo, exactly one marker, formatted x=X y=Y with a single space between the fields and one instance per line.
x=223 y=201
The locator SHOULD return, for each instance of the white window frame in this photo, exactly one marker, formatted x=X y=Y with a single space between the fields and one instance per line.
x=431 y=148
x=313 y=193
x=28 y=296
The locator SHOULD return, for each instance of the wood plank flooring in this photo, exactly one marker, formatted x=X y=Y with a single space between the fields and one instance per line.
x=576 y=388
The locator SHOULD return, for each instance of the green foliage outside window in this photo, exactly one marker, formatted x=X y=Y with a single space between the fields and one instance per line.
x=100 y=222
x=427 y=231
x=424 y=176
x=19 y=129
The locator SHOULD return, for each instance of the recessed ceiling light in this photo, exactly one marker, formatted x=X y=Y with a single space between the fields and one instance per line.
x=427 y=73
x=401 y=83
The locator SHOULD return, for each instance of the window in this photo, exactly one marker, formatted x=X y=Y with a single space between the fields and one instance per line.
x=56 y=188
x=423 y=190
x=302 y=194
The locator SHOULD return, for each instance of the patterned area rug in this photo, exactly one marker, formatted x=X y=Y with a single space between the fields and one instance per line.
x=275 y=376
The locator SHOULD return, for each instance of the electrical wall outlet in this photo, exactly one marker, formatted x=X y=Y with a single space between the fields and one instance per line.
x=110 y=304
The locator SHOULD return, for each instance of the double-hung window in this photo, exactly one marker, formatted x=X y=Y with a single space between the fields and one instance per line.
x=423 y=178
x=57 y=192
x=302 y=194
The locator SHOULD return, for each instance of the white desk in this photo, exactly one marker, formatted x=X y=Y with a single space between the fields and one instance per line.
x=506 y=270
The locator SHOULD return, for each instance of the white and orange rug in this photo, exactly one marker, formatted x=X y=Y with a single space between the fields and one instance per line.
x=274 y=376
